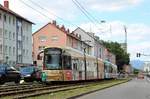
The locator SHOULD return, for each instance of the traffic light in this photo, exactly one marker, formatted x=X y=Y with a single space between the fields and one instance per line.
x=138 y=54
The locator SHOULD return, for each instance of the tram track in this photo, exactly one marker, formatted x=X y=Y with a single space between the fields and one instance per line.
x=36 y=91
x=18 y=85
x=20 y=88
x=49 y=91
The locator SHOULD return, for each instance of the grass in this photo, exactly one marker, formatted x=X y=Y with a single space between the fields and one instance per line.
x=79 y=91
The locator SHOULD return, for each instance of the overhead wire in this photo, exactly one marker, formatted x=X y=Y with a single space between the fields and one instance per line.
x=95 y=19
x=46 y=11
x=87 y=14
x=91 y=18
x=83 y=12
x=38 y=5
x=35 y=10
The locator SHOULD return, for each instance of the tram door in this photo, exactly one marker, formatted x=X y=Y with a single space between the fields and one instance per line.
x=75 y=70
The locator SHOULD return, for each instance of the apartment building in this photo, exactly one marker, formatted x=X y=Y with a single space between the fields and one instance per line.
x=53 y=35
x=98 y=50
x=15 y=37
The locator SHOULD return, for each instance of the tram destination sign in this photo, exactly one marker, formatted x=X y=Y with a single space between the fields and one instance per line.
x=53 y=52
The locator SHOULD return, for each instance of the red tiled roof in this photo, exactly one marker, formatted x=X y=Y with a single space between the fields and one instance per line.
x=13 y=13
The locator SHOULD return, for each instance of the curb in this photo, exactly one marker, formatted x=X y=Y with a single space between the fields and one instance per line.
x=77 y=96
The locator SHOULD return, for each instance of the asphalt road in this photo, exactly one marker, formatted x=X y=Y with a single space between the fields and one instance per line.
x=135 y=89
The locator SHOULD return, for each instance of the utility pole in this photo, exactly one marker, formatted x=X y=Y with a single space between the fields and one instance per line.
x=97 y=63
x=85 y=66
x=85 y=63
x=125 y=30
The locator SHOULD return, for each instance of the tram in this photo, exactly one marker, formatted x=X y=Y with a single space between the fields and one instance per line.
x=69 y=65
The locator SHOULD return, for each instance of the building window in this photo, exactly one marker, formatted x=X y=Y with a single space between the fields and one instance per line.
x=9 y=50
x=74 y=43
x=54 y=38
x=70 y=41
x=80 y=45
x=13 y=21
x=6 y=34
x=5 y=18
x=13 y=50
x=10 y=35
x=0 y=48
x=19 y=44
x=27 y=27
x=41 y=48
x=24 y=52
x=9 y=19
x=42 y=38
x=14 y=35
x=6 y=49
x=0 y=32
x=27 y=39
x=100 y=53
x=27 y=52
x=19 y=58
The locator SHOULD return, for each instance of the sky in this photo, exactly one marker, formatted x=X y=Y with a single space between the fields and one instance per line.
x=134 y=14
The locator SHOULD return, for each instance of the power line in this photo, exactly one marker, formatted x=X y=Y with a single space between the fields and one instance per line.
x=87 y=12
x=38 y=5
x=84 y=12
x=36 y=10
x=43 y=13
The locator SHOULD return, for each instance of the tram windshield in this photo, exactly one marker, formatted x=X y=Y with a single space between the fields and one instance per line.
x=53 y=61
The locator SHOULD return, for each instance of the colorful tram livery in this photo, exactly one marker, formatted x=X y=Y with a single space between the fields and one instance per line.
x=69 y=65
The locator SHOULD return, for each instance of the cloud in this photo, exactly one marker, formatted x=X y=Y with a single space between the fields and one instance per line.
x=111 y=5
x=66 y=8
x=137 y=35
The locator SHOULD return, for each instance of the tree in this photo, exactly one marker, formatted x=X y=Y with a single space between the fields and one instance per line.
x=122 y=57
x=136 y=71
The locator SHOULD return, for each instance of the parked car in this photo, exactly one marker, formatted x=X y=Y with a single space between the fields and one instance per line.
x=30 y=73
x=9 y=74
x=140 y=76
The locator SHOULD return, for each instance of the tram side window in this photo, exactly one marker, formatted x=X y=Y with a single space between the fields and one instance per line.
x=67 y=62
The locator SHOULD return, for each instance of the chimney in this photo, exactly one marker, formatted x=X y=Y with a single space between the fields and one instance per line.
x=58 y=26
x=6 y=4
x=54 y=22
x=63 y=28
x=68 y=31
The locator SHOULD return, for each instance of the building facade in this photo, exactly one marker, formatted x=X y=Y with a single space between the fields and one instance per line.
x=79 y=43
x=15 y=37
x=97 y=48
x=53 y=35
x=146 y=67
x=87 y=38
